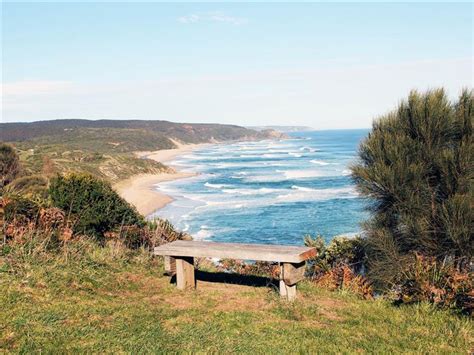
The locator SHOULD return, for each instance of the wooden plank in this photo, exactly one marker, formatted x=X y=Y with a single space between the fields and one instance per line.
x=292 y=273
x=279 y=253
x=185 y=273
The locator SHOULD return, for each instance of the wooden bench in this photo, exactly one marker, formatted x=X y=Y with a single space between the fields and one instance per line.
x=179 y=258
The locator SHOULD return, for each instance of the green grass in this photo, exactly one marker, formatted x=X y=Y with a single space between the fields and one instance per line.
x=92 y=299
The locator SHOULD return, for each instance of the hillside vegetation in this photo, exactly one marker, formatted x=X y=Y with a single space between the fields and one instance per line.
x=185 y=132
x=105 y=147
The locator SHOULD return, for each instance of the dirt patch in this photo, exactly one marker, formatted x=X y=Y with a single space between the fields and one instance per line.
x=223 y=297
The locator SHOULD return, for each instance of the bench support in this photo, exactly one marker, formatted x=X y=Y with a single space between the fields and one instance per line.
x=185 y=272
x=287 y=292
x=290 y=274
x=170 y=265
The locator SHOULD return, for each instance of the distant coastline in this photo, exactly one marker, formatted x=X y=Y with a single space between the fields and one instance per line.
x=139 y=190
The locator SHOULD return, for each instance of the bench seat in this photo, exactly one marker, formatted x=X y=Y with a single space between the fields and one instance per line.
x=179 y=257
x=258 y=252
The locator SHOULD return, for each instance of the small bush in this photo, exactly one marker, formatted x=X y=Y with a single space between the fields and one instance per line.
x=339 y=264
x=441 y=283
x=19 y=208
x=342 y=277
x=259 y=268
x=154 y=233
x=92 y=203
x=340 y=250
x=162 y=231
x=32 y=186
x=9 y=164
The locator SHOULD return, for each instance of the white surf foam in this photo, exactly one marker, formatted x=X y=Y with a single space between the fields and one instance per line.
x=203 y=234
x=216 y=186
x=319 y=162
x=300 y=188
x=300 y=174
x=248 y=192
x=296 y=155
x=319 y=194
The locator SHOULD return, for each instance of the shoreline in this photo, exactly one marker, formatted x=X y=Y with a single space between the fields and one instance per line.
x=139 y=191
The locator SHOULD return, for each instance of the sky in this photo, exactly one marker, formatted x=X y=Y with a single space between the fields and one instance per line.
x=323 y=65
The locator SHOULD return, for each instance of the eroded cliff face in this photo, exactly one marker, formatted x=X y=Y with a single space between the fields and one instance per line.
x=273 y=134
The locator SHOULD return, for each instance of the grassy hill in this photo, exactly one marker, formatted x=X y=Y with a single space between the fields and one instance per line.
x=105 y=147
x=185 y=132
x=112 y=299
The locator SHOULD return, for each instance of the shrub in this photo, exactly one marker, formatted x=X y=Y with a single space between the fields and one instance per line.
x=154 y=233
x=162 y=231
x=259 y=268
x=92 y=204
x=416 y=168
x=339 y=264
x=342 y=277
x=31 y=186
x=19 y=208
x=340 y=250
x=442 y=283
x=9 y=164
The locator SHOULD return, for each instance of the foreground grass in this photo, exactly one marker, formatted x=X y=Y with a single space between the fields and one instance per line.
x=109 y=300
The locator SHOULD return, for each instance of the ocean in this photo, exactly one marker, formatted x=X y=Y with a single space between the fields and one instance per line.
x=272 y=191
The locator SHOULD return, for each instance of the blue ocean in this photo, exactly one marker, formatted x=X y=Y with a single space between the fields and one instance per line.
x=272 y=191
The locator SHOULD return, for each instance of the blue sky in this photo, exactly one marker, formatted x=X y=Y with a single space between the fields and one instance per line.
x=319 y=64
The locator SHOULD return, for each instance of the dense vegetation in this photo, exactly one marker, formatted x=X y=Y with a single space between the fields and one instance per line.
x=416 y=167
x=9 y=164
x=97 y=207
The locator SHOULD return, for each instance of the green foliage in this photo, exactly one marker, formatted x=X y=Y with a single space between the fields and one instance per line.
x=105 y=148
x=164 y=231
x=34 y=186
x=92 y=204
x=61 y=159
x=104 y=140
x=416 y=168
x=20 y=208
x=123 y=135
x=442 y=283
x=152 y=233
x=9 y=164
x=340 y=250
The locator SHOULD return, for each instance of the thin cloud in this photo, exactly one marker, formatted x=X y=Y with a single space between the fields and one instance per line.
x=215 y=16
x=35 y=87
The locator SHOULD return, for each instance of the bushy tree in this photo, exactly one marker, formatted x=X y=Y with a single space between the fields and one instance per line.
x=416 y=168
x=92 y=204
x=9 y=164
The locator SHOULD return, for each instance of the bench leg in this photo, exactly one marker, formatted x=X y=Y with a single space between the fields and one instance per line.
x=170 y=265
x=185 y=273
x=289 y=276
x=287 y=292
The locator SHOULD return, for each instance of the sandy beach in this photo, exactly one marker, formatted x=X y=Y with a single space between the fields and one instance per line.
x=139 y=189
